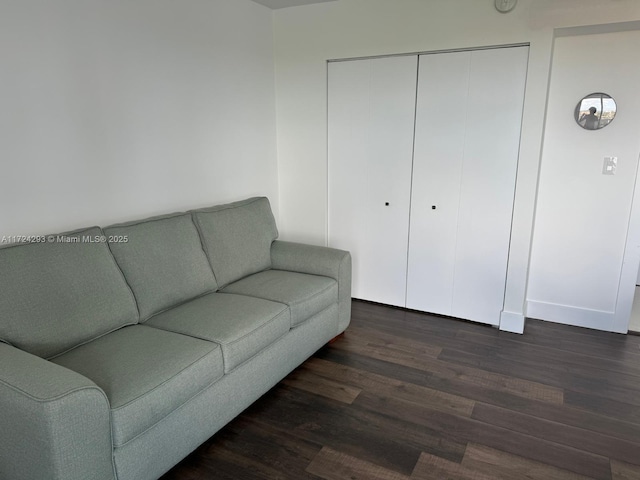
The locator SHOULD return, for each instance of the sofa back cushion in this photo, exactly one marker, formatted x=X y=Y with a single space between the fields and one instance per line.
x=61 y=293
x=237 y=237
x=162 y=260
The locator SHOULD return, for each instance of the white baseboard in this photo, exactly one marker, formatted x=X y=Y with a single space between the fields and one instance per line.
x=512 y=322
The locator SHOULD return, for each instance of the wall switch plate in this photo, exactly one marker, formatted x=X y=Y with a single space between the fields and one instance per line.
x=609 y=165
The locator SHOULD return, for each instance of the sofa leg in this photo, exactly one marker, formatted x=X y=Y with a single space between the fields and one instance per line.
x=335 y=338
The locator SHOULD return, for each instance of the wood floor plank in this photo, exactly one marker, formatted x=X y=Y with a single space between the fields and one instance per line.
x=469 y=430
x=362 y=434
x=500 y=465
x=332 y=465
x=389 y=387
x=367 y=313
x=451 y=385
x=430 y=333
x=223 y=463
x=323 y=386
x=266 y=445
x=591 y=393
x=381 y=427
x=575 y=417
x=374 y=436
x=515 y=346
x=560 y=374
x=447 y=369
x=594 y=343
x=559 y=433
x=598 y=403
x=392 y=341
x=624 y=471
x=409 y=395
x=226 y=464
x=385 y=352
x=610 y=418
x=248 y=445
x=430 y=467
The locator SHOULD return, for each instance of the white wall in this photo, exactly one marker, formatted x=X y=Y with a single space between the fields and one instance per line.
x=306 y=37
x=634 y=321
x=117 y=109
x=582 y=216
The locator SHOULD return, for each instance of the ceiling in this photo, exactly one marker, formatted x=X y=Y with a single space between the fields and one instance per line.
x=288 y=3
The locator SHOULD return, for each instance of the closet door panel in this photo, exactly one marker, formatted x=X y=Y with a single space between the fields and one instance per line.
x=494 y=112
x=443 y=85
x=371 y=116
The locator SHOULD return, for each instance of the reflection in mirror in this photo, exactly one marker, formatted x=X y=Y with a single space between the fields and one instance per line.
x=595 y=111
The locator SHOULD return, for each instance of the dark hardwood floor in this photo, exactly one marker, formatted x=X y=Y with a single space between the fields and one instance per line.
x=405 y=395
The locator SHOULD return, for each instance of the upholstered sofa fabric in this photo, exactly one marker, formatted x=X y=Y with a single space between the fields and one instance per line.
x=149 y=455
x=120 y=358
x=54 y=421
x=146 y=373
x=305 y=294
x=243 y=326
x=162 y=260
x=62 y=292
x=316 y=260
x=237 y=238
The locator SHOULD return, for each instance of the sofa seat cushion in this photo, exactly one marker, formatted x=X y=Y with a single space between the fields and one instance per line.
x=146 y=373
x=305 y=294
x=242 y=325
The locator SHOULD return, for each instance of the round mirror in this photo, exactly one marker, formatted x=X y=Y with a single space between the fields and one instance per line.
x=595 y=111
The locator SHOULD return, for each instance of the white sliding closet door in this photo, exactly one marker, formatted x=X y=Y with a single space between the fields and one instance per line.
x=439 y=151
x=467 y=139
x=371 y=120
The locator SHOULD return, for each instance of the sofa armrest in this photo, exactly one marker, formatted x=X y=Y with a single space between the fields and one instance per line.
x=329 y=262
x=54 y=423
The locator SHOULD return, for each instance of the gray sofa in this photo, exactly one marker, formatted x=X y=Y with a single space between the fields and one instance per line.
x=122 y=349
